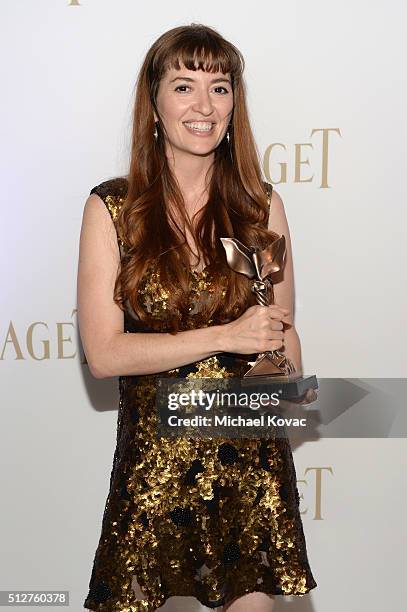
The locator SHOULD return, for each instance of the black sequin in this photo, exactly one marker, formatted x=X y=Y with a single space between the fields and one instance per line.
x=259 y=495
x=134 y=415
x=263 y=456
x=124 y=524
x=297 y=496
x=284 y=491
x=143 y=519
x=196 y=468
x=227 y=454
x=124 y=494
x=164 y=588
x=212 y=505
x=215 y=603
x=144 y=483
x=182 y=517
x=231 y=552
x=264 y=545
x=100 y=592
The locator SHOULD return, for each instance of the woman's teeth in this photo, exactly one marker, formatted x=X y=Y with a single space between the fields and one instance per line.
x=199 y=126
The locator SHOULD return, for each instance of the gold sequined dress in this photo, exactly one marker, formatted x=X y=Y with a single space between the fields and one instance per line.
x=208 y=518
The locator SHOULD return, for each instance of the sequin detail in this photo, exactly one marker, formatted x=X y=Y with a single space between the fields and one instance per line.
x=209 y=518
x=113 y=194
x=154 y=295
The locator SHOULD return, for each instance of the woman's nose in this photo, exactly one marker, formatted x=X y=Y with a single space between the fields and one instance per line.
x=203 y=103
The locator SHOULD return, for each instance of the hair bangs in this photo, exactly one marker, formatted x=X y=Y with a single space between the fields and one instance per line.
x=201 y=51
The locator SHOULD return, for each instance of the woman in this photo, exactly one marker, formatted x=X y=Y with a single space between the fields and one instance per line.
x=212 y=518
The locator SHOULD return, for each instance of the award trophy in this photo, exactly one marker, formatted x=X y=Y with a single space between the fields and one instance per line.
x=270 y=367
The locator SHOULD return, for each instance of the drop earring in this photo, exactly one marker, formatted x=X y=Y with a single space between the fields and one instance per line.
x=230 y=147
x=156 y=131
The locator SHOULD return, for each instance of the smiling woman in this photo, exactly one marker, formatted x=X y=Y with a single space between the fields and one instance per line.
x=217 y=519
x=198 y=106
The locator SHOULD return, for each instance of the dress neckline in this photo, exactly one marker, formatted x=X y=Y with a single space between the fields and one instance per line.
x=204 y=269
x=199 y=271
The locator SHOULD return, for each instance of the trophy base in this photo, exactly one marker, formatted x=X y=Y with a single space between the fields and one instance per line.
x=269 y=363
x=290 y=386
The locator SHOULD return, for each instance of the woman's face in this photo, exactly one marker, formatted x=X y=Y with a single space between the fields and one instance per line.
x=195 y=108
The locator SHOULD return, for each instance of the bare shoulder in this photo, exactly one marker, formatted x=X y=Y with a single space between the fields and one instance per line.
x=110 y=195
x=104 y=201
x=96 y=214
x=276 y=202
x=98 y=231
x=277 y=217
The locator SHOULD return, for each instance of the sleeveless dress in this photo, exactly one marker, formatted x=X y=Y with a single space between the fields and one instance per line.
x=210 y=518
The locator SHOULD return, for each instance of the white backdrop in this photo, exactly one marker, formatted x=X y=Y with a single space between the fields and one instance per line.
x=327 y=97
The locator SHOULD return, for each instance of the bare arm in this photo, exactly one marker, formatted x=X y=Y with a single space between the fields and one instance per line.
x=284 y=290
x=108 y=349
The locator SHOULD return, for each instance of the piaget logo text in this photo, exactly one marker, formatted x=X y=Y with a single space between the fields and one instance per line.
x=41 y=341
x=277 y=150
x=315 y=509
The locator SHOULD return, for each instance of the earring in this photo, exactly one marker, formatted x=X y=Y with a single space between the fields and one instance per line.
x=227 y=136
x=156 y=131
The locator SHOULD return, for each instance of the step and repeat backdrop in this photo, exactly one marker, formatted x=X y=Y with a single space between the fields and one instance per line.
x=327 y=97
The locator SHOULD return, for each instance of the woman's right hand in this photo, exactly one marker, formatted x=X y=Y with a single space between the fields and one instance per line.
x=258 y=329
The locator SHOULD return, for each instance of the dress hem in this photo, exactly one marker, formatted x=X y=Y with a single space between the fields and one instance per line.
x=134 y=607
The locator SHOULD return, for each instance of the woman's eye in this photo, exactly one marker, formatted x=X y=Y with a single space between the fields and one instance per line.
x=184 y=88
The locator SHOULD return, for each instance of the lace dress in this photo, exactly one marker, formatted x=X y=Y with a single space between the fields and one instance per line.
x=209 y=518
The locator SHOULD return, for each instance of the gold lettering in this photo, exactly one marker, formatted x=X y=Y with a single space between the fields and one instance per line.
x=12 y=338
x=266 y=165
x=318 y=489
x=30 y=346
x=325 y=136
x=32 y=342
x=299 y=162
x=61 y=340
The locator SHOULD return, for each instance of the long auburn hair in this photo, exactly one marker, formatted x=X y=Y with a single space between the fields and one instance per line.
x=237 y=203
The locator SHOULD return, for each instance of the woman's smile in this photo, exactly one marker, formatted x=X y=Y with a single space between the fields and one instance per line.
x=199 y=128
